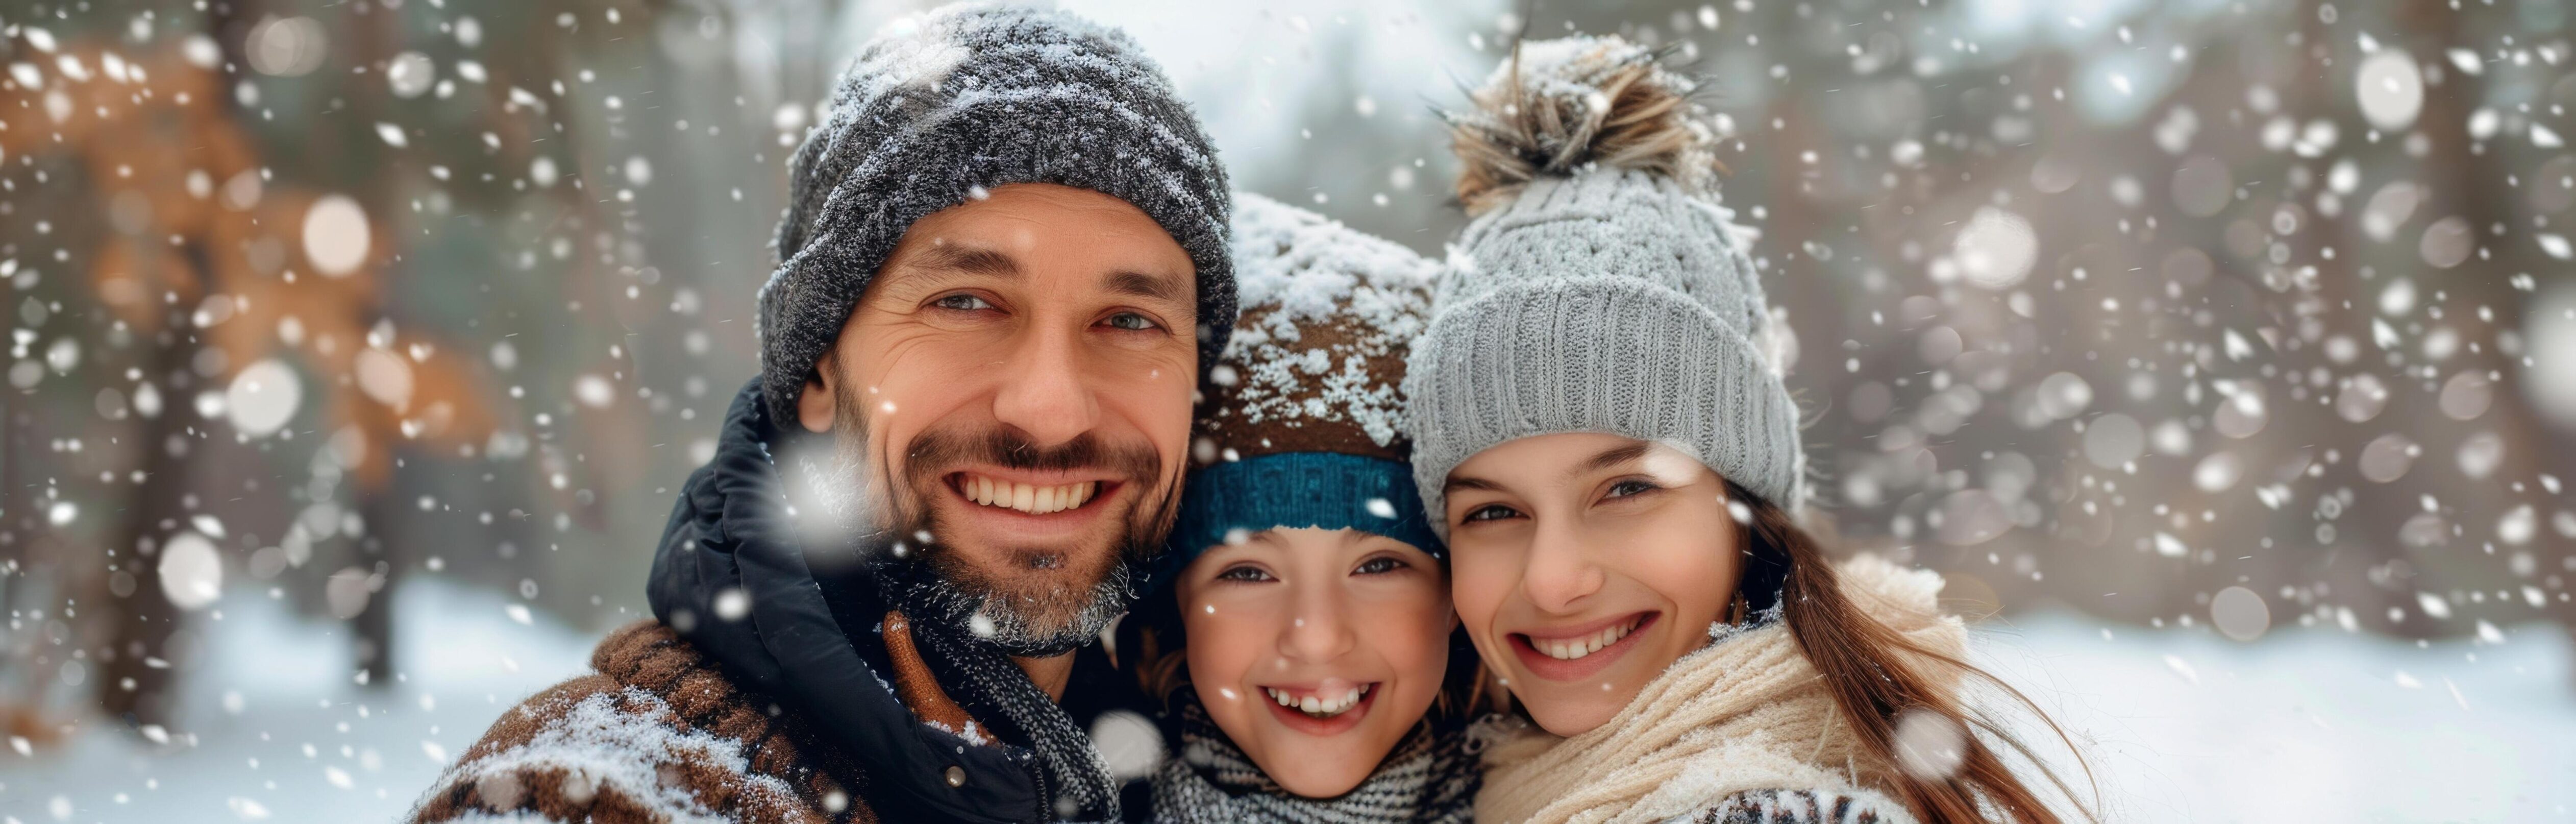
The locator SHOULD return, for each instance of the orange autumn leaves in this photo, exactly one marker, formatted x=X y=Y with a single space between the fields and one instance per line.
x=193 y=232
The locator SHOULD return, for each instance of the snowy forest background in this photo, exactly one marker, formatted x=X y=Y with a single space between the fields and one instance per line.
x=2223 y=350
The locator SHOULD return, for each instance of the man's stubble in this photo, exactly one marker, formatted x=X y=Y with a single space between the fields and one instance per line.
x=1025 y=599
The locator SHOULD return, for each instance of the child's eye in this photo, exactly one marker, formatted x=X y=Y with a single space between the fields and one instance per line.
x=1492 y=512
x=1246 y=574
x=962 y=303
x=1630 y=487
x=1378 y=566
x=1130 y=321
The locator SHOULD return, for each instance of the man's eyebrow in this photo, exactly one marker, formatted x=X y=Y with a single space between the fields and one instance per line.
x=967 y=260
x=1158 y=287
x=1615 y=456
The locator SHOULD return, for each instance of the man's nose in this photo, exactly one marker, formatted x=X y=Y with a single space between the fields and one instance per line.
x=1045 y=391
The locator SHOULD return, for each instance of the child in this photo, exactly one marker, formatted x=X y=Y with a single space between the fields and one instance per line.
x=1300 y=627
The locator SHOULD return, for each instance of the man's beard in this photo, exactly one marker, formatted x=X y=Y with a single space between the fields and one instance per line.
x=1043 y=600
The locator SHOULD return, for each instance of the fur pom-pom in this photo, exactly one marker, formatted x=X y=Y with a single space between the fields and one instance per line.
x=1561 y=106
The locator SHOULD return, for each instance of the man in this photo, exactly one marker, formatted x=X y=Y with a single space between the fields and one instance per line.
x=1002 y=265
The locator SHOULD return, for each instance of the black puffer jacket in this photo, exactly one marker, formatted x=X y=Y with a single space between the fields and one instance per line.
x=810 y=637
x=788 y=705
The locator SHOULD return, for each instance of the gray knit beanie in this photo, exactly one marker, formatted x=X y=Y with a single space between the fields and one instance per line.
x=1599 y=288
x=965 y=99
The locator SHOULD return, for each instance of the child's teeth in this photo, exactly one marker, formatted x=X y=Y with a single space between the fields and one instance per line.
x=1319 y=705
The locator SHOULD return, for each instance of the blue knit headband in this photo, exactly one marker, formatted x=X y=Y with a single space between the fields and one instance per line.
x=1324 y=490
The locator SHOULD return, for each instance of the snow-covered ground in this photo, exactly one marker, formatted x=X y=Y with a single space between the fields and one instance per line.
x=2303 y=724
x=282 y=731
x=2181 y=724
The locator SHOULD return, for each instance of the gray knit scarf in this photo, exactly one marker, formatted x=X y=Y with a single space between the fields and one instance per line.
x=1428 y=778
x=982 y=679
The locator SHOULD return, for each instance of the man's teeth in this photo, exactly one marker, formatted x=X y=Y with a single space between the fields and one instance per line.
x=1029 y=498
x=1568 y=649
x=1319 y=706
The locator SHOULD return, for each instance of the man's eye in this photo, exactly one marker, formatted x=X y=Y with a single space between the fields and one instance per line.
x=1378 y=566
x=962 y=303
x=1243 y=573
x=1492 y=512
x=1130 y=321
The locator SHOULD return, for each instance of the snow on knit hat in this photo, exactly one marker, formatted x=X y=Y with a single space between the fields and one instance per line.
x=1599 y=286
x=1301 y=421
x=965 y=99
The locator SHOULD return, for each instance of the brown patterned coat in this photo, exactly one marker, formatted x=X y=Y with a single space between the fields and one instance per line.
x=656 y=735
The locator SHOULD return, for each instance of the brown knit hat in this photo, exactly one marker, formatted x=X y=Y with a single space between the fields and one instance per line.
x=1301 y=421
x=1317 y=359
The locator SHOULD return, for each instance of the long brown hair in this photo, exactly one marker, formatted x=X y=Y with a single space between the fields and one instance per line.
x=1877 y=674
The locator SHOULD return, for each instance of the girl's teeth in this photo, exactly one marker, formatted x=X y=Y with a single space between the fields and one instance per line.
x=1320 y=706
x=1029 y=498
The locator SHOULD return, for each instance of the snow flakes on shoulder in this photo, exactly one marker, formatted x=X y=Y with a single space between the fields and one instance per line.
x=618 y=744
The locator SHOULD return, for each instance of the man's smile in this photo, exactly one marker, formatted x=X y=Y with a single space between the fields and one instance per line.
x=1033 y=499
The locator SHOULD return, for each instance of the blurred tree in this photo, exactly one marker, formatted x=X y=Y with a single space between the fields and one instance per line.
x=213 y=266
x=2208 y=363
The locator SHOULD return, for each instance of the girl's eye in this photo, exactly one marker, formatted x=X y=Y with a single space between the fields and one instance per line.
x=1630 y=487
x=1130 y=321
x=962 y=303
x=1492 y=512
x=1378 y=566
x=1244 y=574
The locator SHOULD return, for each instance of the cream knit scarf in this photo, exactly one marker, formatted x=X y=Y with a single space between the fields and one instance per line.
x=1747 y=712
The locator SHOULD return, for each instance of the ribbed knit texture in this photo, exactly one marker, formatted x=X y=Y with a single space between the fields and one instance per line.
x=963 y=100
x=1602 y=299
x=1427 y=778
x=1301 y=420
x=1745 y=723
x=1323 y=490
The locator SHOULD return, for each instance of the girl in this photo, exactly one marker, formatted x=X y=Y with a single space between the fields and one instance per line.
x=1602 y=434
x=1305 y=629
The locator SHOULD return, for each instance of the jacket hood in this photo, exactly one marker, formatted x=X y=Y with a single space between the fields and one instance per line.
x=797 y=615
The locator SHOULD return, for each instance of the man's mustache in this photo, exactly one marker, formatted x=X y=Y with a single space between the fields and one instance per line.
x=939 y=452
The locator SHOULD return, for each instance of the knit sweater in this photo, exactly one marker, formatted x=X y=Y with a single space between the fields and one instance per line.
x=1743 y=730
x=653 y=734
